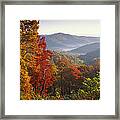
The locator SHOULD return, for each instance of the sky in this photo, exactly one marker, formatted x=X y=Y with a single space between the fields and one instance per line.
x=73 y=27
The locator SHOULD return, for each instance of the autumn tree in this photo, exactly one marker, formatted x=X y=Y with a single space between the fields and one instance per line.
x=68 y=73
x=36 y=69
x=28 y=37
x=44 y=72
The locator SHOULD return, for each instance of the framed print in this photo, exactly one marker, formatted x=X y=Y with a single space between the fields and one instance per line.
x=60 y=60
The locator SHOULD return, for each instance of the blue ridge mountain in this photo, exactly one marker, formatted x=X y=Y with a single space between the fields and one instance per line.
x=86 y=47
x=67 y=42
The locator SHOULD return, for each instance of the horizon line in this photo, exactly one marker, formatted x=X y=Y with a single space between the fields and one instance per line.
x=70 y=34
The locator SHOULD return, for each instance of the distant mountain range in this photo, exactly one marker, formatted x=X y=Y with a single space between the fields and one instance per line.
x=87 y=47
x=91 y=56
x=67 y=42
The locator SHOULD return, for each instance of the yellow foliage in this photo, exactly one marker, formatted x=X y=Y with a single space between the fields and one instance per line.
x=54 y=69
x=28 y=37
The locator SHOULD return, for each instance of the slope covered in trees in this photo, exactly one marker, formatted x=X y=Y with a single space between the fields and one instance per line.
x=52 y=75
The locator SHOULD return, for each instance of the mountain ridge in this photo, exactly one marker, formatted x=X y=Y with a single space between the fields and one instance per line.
x=66 y=42
x=86 y=48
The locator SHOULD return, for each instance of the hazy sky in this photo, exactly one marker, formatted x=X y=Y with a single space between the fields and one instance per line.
x=74 y=27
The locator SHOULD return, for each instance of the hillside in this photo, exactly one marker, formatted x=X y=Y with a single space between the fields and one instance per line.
x=91 y=56
x=67 y=42
x=86 y=48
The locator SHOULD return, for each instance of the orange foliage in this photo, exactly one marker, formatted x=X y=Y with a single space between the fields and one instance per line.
x=35 y=61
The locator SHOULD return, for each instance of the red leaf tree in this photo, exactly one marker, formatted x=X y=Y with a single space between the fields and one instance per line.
x=43 y=76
